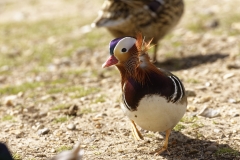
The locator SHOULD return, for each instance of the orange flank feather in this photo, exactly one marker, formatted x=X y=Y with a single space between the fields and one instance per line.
x=141 y=45
x=139 y=41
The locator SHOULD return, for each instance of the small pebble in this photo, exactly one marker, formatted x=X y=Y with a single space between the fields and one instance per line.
x=6 y=130
x=231 y=100
x=42 y=114
x=236 y=26
x=104 y=114
x=229 y=75
x=233 y=66
x=43 y=131
x=83 y=98
x=20 y=94
x=208 y=152
x=201 y=88
x=236 y=115
x=193 y=151
x=72 y=111
x=209 y=112
x=53 y=150
x=8 y=101
x=99 y=116
x=58 y=133
x=64 y=61
x=2 y=79
x=213 y=23
x=35 y=115
x=45 y=97
x=39 y=126
x=190 y=93
x=205 y=99
x=212 y=148
x=207 y=84
x=191 y=108
x=117 y=106
x=71 y=127
x=19 y=134
x=233 y=121
x=98 y=125
x=216 y=130
x=40 y=155
x=96 y=119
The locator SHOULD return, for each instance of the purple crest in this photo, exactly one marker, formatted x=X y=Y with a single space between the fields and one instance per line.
x=113 y=43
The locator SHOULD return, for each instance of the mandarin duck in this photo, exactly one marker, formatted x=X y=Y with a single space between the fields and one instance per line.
x=153 y=18
x=152 y=98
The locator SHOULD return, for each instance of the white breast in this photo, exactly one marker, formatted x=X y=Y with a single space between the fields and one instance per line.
x=154 y=113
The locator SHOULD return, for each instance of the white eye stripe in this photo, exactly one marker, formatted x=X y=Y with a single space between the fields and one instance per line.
x=124 y=45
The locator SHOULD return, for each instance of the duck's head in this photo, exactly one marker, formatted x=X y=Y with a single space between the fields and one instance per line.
x=130 y=56
x=121 y=50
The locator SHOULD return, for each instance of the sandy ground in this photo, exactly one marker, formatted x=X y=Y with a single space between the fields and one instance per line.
x=207 y=61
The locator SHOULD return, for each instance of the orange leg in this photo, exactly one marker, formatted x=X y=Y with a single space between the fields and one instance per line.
x=165 y=146
x=136 y=134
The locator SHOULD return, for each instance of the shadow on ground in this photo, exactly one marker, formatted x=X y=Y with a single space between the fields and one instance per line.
x=175 y=64
x=182 y=147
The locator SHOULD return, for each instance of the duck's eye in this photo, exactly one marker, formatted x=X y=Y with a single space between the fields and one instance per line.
x=124 y=50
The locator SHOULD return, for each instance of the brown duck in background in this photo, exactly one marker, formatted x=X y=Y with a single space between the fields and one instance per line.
x=153 y=18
